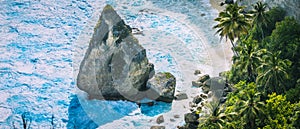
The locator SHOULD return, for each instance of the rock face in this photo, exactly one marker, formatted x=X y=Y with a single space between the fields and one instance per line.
x=160 y=119
x=115 y=65
x=162 y=87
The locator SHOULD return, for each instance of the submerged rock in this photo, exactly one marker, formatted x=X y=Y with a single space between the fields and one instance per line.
x=162 y=87
x=115 y=65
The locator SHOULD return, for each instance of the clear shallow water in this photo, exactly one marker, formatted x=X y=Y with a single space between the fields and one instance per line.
x=42 y=43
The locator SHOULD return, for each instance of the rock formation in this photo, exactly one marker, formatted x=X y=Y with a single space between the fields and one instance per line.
x=162 y=87
x=115 y=66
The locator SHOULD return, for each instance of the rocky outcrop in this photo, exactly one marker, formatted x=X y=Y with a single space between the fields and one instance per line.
x=191 y=121
x=115 y=66
x=162 y=87
x=203 y=78
x=160 y=119
x=181 y=96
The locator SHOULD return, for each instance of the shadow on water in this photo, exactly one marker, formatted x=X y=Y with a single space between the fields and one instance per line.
x=156 y=109
x=93 y=113
x=78 y=119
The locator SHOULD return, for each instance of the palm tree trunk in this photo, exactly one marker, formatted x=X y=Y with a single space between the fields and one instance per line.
x=233 y=48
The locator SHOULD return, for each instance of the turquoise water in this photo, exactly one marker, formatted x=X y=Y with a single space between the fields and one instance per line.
x=39 y=46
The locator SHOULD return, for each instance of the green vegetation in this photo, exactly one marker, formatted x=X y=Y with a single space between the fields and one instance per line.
x=168 y=75
x=232 y=23
x=265 y=73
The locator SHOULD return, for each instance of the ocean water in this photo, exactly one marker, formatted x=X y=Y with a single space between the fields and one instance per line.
x=42 y=43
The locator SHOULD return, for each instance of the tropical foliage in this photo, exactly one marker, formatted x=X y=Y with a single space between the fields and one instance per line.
x=232 y=22
x=265 y=73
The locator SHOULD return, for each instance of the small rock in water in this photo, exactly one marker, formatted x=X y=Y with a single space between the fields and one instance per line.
x=176 y=116
x=157 y=127
x=203 y=78
x=204 y=96
x=203 y=14
x=172 y=120
x=192 y=104
x=197 y=99
x=160 y=119
x=181 y=96
x=197 y=72
x=191 y=118
x=150 y=103
x=197 y=84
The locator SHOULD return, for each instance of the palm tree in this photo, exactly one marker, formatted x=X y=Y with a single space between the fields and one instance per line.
x=215 y=118
x=250 y=107
x=273 y=72
x=248 y=59
x=260 y=18
x=232 y=23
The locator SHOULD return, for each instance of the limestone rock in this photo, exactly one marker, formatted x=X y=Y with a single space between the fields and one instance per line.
x=157 y=127
x=203 y=78
x=197 y=72
x=181 y=96
x=191 y=118
x=176 y=116
x=162 y=87
x=160 y=119
x=197 y=99
x=115 y=65
x=197 y=84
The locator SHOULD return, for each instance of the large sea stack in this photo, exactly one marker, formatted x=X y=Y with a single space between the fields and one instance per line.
x=115 y=66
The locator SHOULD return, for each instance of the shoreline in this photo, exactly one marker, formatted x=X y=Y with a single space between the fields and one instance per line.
x=216 y=5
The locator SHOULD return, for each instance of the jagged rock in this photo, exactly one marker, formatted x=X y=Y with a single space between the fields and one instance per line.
x=227 y=89
x=229 y=1
x=197 y=99
x=191 y=118
x=191 y=104
x=199 y=108
x=162 y=87
x=157 y=127
x=203 y=78
x=225 y=94
x=223 y=99
x=197 y=72
x=115 y=65
x=181 y=96
x=191 y=126
x=205 y=89
x=197 y=84
x=160 y=119
x=204 y=96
